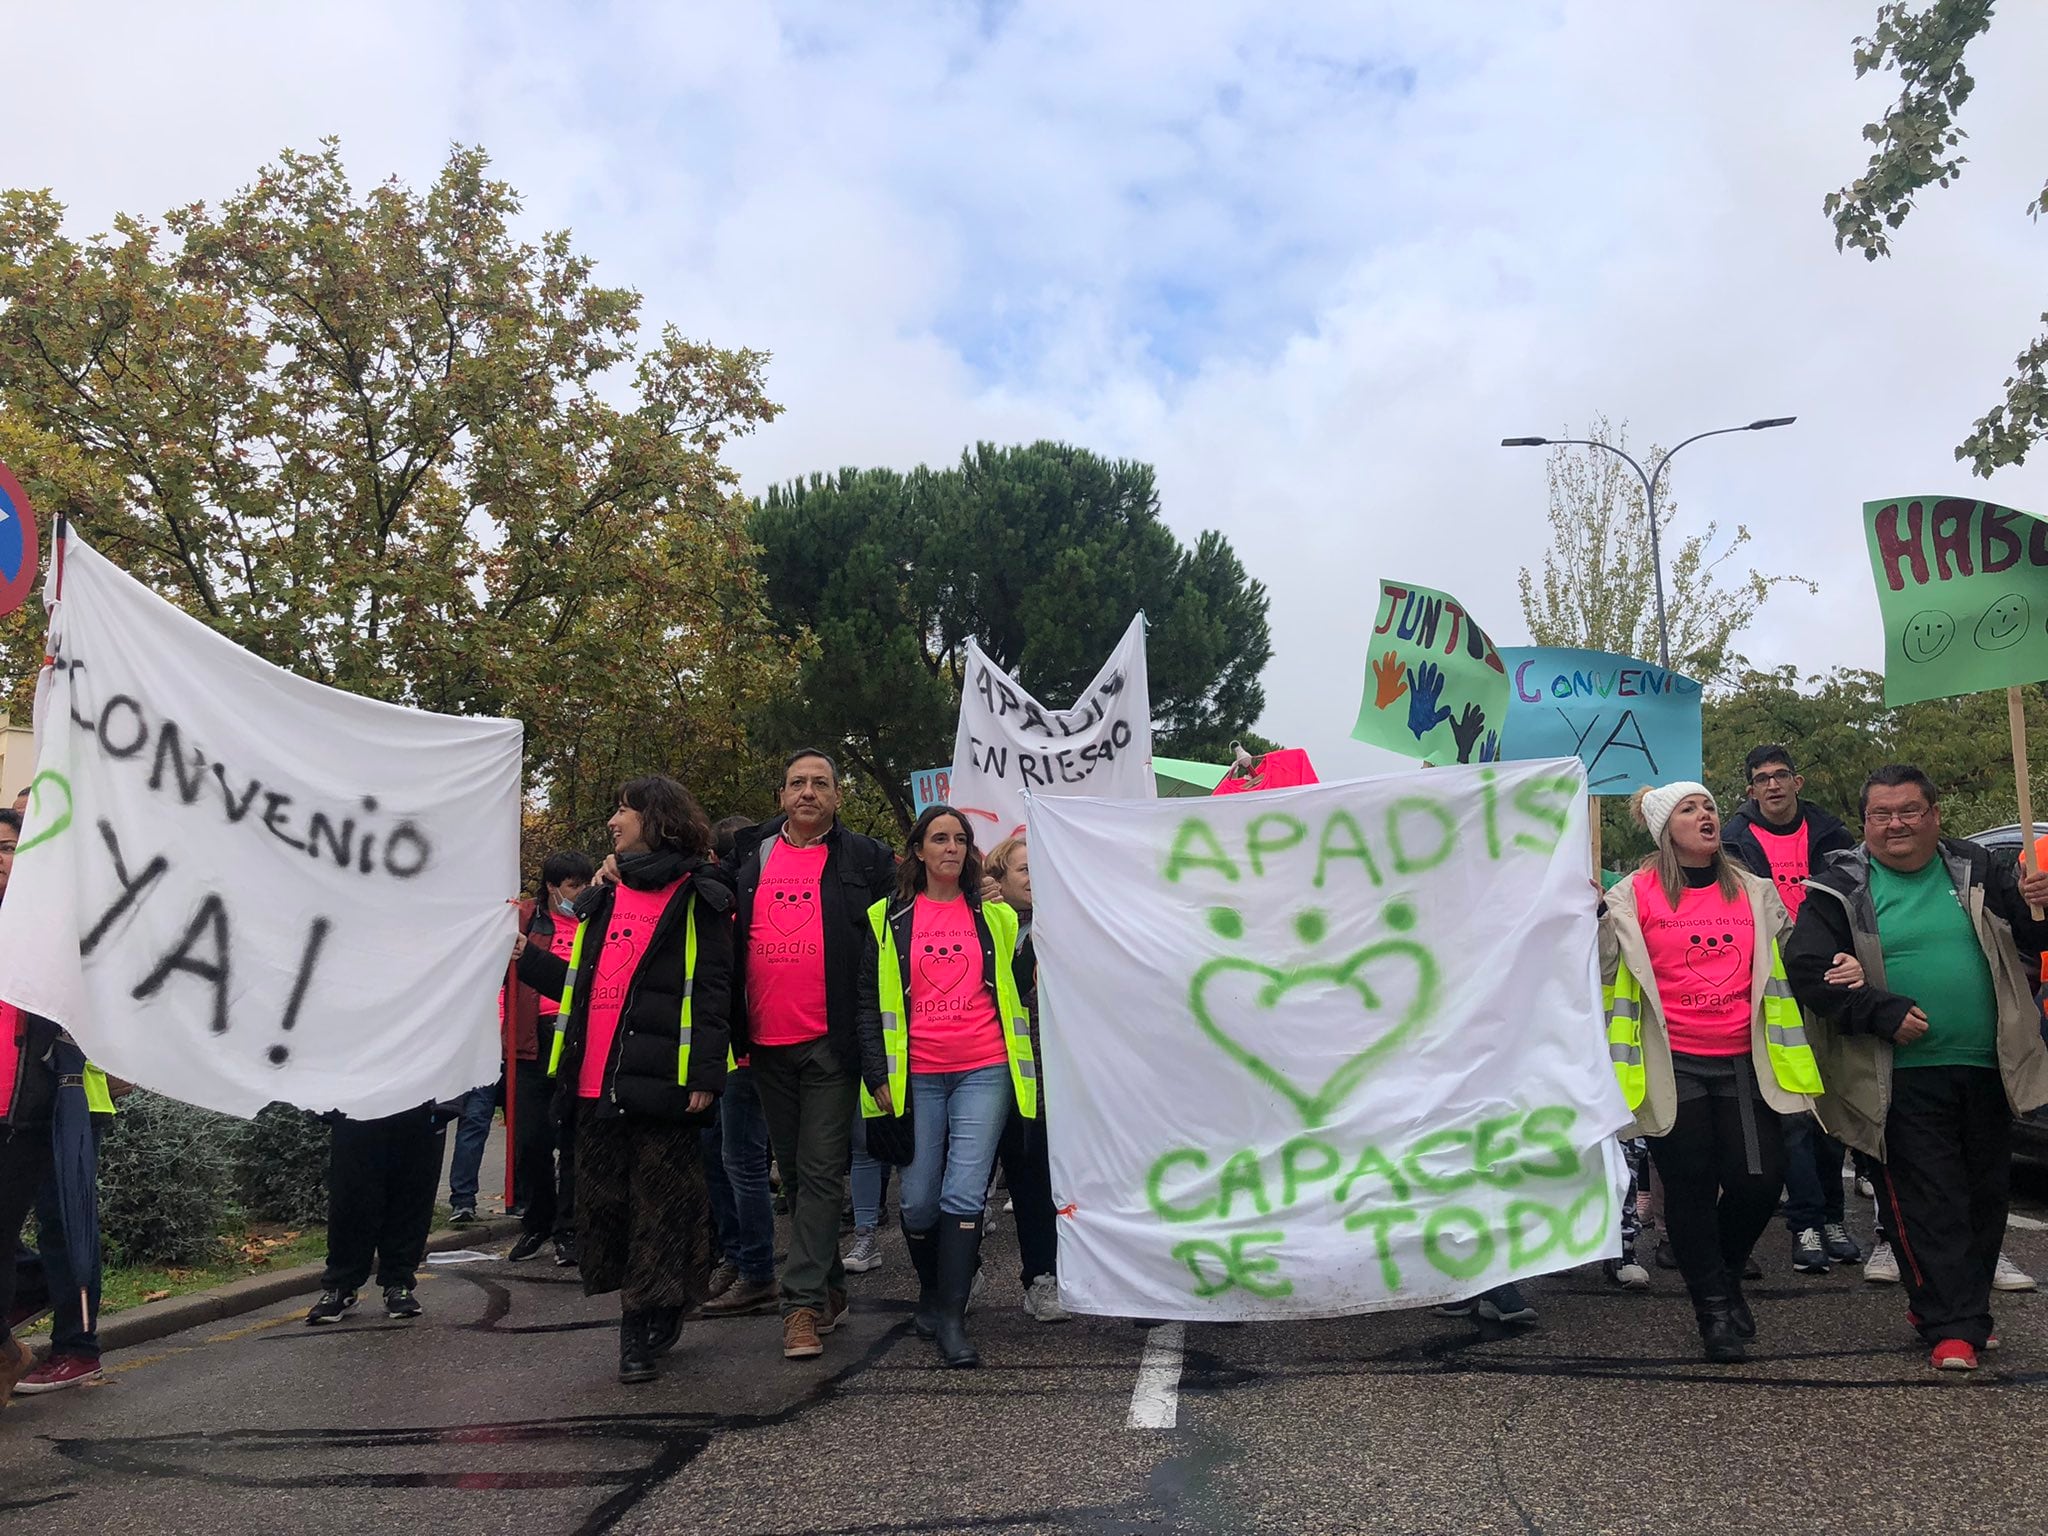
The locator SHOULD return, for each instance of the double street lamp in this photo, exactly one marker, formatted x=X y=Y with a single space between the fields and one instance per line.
x=1649 y=479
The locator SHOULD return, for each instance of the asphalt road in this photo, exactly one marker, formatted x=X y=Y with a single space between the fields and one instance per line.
x=498 y=1412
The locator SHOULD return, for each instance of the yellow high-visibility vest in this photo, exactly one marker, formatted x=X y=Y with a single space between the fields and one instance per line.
x=1792 y=1059
x=1010 y=1010
x=689 y=987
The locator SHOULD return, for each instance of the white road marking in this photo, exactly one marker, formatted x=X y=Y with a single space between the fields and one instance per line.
x=2026 y=1223
x=1155 y=1400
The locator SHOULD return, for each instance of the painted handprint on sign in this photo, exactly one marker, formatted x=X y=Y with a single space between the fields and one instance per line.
x=1427 y=649
x=1392 y=679
x=1425 y=687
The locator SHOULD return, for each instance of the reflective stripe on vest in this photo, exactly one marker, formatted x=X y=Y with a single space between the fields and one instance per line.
x=1624 y=1002
x=689 y=986
x=895 y=1037
x=98 y=1099
x=1792 y=1059
x=1014 y=1017
x=568 y=1000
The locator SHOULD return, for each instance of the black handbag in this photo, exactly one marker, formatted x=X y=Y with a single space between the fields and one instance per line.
x=892 y=1139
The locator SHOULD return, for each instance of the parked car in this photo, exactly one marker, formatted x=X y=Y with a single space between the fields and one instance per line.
x=2030 y=1131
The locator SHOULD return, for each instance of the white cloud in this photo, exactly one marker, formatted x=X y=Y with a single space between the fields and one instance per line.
x=1313 y=268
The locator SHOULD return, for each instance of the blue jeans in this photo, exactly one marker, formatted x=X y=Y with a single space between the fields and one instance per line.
x=867 y=1178
x=70 y=1333
x=960 y=1120
x=1813 y=1175
x=474 y=1129
x=725 y=1230
x=744 y=1133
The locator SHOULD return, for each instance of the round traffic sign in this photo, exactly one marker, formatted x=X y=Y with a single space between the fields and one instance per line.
x=20 y=555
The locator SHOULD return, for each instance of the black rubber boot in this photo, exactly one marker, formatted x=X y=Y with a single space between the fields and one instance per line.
x=1719 y=1333
x=1738 y=1310
x=664 y=1327
x=924 y=1262
x=959 y=1252
x=636 y=1364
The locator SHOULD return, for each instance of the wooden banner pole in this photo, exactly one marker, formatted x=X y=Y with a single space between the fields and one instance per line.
x=2016 y=713
x=1593 y=821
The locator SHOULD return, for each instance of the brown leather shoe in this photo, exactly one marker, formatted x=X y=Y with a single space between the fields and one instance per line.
x=744 y=1299
x=835 y=1309
x=800 y=1339
x=17 y=1361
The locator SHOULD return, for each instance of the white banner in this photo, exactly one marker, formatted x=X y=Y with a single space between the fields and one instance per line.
x=236 y=885
x=1009 y=747
x=1324 y=1050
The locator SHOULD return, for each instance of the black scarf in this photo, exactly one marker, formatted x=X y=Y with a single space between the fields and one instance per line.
x=653 y=871
x=642 y=871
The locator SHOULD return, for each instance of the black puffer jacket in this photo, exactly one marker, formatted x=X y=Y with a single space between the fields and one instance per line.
x=640 y=1076
x=1825 y=834
x=858 y=873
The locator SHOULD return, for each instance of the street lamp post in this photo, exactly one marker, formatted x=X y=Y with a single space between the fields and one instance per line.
x=1649 y=479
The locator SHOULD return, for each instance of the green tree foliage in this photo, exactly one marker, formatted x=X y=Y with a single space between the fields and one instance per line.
x=1598 y=586
x=379 y=440
x=1838 y=727
x=1916 y=145
x=1042 y=553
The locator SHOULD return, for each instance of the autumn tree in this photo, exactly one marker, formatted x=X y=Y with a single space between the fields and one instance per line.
x=1043 y=553
x=379 y=440
x=1598 y=584
x=1917 y=144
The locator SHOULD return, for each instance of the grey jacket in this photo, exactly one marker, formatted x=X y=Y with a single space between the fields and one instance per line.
x=1838 y=916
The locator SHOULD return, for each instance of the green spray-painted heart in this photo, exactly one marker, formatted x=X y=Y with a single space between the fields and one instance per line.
x=1316 y=1108
x=60 y=787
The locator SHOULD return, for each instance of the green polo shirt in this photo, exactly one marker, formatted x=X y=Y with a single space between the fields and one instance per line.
x=1931 y=955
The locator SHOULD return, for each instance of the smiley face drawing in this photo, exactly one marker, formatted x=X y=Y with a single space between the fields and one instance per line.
x=2005 y=623
x=1927 y=634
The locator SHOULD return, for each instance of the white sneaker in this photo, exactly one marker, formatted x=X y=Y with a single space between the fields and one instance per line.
x=2010 y=1277
x=1865 y=1188
x=864 y=1253
x=1882 y=1267
x=1042 y=1301
x=1631 y=1276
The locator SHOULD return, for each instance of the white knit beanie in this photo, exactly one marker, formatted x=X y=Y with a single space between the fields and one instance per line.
x=1659 y=803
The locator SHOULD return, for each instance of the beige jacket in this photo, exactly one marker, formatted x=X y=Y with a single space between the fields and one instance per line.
x=1622 y=943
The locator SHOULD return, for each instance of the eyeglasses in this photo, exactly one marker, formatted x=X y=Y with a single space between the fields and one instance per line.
x=1911 y=818
x=1767 y=780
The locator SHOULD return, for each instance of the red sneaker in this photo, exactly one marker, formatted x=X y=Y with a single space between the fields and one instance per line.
x=59 y=1372
x=1953 y=1355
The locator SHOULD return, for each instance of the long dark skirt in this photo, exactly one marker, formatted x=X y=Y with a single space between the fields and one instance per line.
x=643 y=1213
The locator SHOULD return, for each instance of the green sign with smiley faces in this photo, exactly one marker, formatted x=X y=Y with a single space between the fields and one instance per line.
x=1963 y=587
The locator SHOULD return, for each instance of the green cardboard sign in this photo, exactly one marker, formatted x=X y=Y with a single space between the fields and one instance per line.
x=1435 y=687
x=1963 y=587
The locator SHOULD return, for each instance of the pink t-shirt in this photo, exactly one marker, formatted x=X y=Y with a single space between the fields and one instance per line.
x=1790 y=854
x=953 y=1023
x=630 y=926
x=1701 y=957
x=786 y=948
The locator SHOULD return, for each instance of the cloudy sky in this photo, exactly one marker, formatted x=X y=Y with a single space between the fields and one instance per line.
x=1312 y=262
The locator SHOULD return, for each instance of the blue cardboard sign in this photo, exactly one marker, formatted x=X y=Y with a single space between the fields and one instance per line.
x=930 y=787
x=1630 y=722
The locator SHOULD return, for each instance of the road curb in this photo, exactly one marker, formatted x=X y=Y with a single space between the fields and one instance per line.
x=154 y=1320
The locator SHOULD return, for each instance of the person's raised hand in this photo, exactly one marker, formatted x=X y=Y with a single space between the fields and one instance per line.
x=2034 y=888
